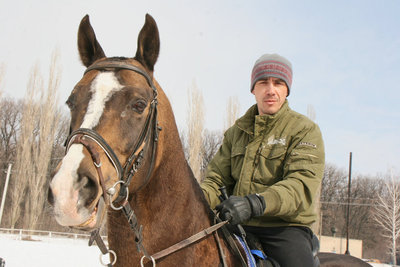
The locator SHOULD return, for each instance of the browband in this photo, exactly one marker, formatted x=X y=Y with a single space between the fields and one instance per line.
x=113 y=64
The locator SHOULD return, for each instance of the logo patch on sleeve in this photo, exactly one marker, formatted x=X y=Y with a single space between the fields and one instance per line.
x=308 y=144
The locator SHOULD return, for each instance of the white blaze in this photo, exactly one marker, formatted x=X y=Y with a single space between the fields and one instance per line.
x=103 y=87
x=66 y=197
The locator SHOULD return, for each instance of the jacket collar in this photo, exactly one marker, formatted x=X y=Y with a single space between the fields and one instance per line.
x=255 y=124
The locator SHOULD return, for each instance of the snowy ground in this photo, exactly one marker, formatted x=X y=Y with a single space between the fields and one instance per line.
x=46 y=252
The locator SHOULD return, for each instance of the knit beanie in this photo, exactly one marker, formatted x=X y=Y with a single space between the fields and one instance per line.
x=272 y=65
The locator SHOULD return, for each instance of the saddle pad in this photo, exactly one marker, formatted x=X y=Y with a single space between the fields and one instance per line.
x=251 y=262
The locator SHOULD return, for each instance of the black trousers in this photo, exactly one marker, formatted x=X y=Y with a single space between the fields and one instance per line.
x=290 y=246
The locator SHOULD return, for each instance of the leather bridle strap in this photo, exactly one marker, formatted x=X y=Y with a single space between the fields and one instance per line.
x=79 y=138
x=188 y=241
x=134 y=160
x=112 y=65
x=136 y=156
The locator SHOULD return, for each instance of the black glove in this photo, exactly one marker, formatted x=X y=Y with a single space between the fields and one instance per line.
x=240 y=209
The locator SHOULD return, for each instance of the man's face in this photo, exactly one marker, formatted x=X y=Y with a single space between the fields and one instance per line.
x=270 y=95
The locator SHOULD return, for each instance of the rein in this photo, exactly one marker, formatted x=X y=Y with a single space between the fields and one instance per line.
x=184 y=243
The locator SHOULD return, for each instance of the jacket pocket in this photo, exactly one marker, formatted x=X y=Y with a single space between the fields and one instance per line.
x=237 y=157
x=269 y=164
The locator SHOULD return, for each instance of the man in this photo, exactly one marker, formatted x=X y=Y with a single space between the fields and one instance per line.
x=271 y=162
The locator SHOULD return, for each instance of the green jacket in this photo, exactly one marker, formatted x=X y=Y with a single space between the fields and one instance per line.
x=280 y=157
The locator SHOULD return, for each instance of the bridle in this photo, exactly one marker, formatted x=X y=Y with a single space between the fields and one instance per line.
x=132 y=164
x=125 y=173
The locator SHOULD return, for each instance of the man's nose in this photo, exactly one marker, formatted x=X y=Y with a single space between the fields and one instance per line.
x=269 y=88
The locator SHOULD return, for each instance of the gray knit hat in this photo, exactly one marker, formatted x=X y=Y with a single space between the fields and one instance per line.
x=272 y=65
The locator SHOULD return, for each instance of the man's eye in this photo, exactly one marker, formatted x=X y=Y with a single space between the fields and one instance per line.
x=280 y=83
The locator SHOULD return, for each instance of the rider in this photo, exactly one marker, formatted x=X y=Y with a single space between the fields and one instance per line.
x=271 y=162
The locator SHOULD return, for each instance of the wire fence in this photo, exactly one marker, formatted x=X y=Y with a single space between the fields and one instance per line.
x=23 y=234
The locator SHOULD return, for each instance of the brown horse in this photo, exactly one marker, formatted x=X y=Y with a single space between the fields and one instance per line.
x=115 y=104
x=118 y=158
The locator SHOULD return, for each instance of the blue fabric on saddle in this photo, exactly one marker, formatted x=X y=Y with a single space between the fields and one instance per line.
x=258 y=253
x=251 y=261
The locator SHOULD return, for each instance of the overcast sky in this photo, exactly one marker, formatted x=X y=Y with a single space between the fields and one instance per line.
x=345 y=57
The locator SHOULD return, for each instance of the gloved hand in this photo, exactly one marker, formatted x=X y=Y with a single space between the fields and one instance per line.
x=240 y=209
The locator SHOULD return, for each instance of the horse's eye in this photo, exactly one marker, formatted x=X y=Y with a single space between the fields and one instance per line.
x=70 y=103
x=139 y=106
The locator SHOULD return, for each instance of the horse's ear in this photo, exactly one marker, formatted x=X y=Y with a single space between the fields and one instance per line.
x=148 y=44
x=89 y=49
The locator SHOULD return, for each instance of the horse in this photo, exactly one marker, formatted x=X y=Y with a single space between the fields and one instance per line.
x=124 y=165
x=117 y=111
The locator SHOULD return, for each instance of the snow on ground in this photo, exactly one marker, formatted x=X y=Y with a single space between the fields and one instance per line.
x=46 y=252
x=381 y=264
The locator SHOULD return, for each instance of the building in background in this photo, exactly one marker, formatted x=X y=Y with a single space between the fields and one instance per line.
x=338 y=245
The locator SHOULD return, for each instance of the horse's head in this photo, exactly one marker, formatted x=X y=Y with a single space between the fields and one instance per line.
x=113 y=124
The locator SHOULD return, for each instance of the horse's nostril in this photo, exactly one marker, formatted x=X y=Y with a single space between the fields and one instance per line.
x=87 y=189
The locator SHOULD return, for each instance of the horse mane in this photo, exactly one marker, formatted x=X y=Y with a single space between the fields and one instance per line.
x=198 y=191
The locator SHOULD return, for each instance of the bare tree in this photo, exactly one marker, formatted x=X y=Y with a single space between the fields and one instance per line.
x=212 y=140
x=195 y=126
x=61 y=134
x=183 y=137
x=311 y=114
x=332 y=189
x=24 y=155
x=48 y=120
x=10 y=115
x=364 y=192
x=200 y=145
x=38 y=129
x=232 y=111
x=387 y=214
x=317 y=207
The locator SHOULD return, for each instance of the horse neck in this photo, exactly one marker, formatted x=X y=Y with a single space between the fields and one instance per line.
x=171 y=207
x=172 y=198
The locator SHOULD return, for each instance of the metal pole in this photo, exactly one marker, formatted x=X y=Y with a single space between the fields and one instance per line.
x=3 y=200
x=320 y=226
x=348 y=207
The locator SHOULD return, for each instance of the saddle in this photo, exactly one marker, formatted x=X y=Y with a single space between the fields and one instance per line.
x=253 y=244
